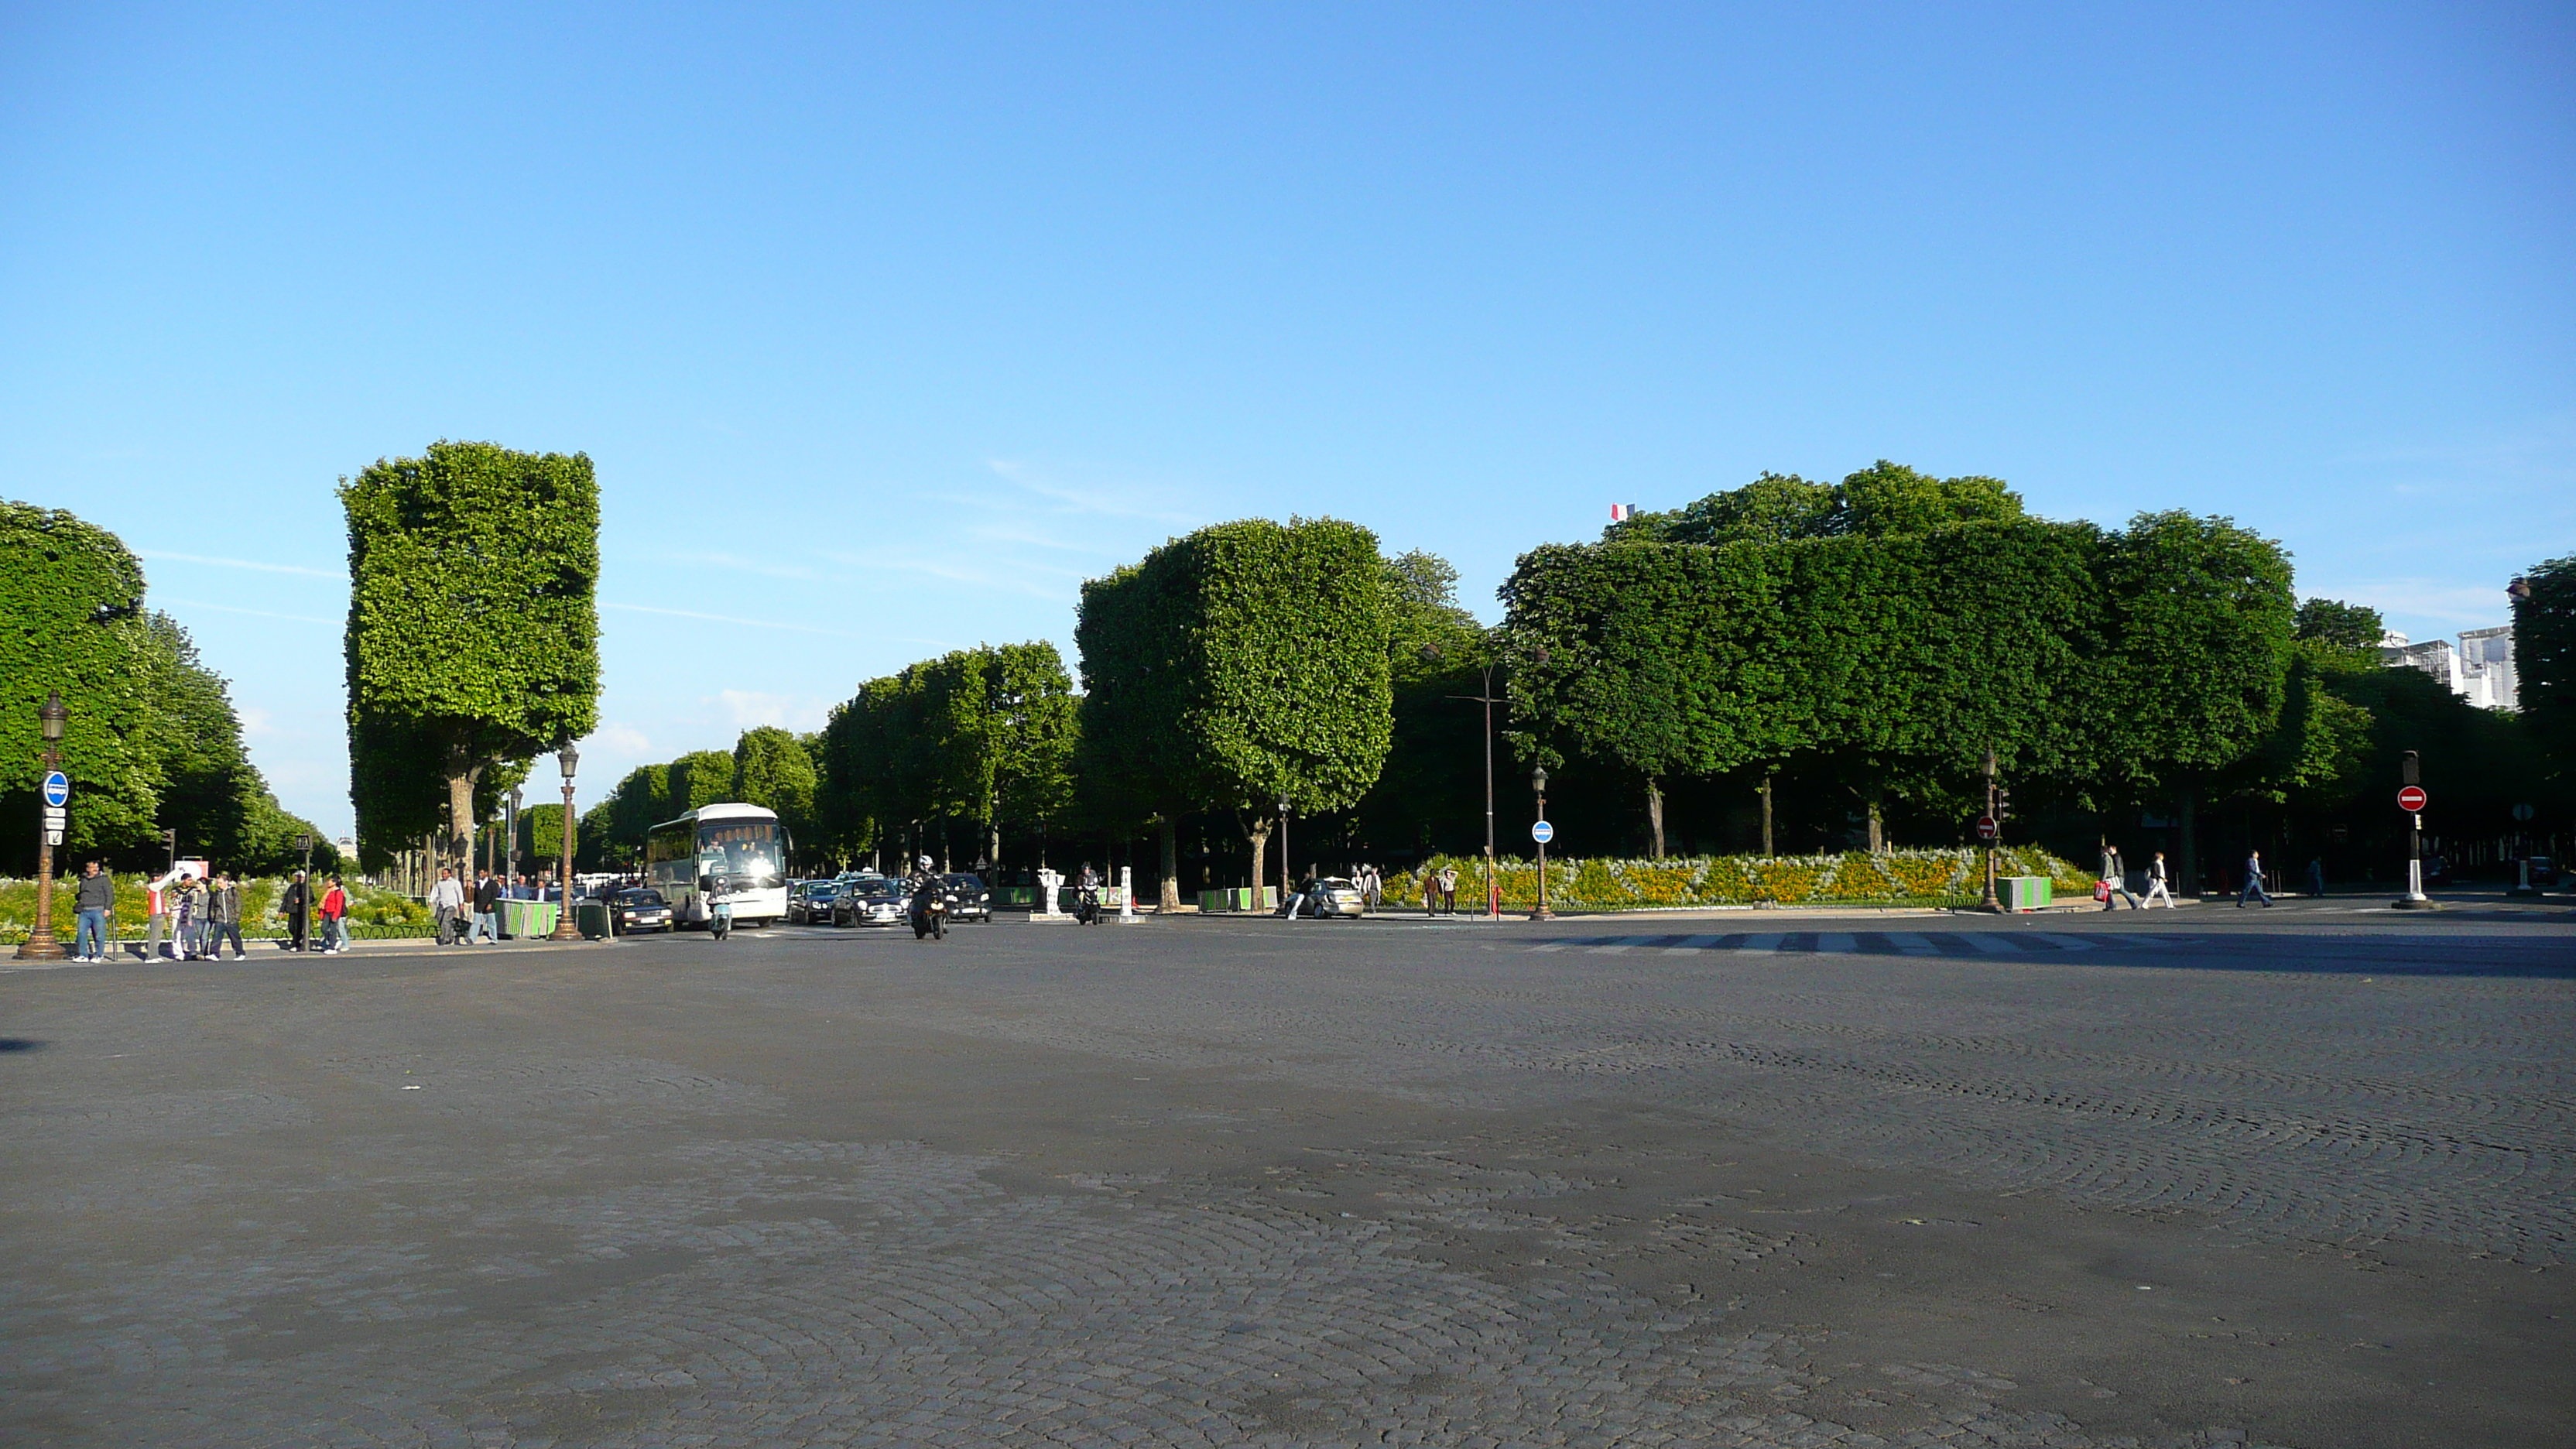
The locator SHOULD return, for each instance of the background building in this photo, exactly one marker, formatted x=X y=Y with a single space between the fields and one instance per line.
x=2479 y=669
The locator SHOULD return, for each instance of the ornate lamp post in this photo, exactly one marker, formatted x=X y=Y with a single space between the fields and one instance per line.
x=41 y=945
x=566 y=758
x=1538 y=784
x=1283 y=854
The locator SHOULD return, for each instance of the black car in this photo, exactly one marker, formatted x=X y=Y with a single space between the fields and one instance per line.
x=813 y=903
x=969 y=899
x=639 y=909
x=869 y=901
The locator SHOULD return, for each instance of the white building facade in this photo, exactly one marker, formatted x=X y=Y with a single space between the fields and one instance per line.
x=2479 y=668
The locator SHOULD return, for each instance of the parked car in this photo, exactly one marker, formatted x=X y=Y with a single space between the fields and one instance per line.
x=1335 y=896
x=2544 y=871
x=638 y=908
x=872 y=901
x=811 y=903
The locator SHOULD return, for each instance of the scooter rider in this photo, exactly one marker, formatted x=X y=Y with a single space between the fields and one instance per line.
x=927 y=889
x=1086 y=900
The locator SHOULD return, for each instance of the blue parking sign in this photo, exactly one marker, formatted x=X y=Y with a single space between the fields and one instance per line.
x=58 y=790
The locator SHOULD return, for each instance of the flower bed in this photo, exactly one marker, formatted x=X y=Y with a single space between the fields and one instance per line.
x=1898 y=877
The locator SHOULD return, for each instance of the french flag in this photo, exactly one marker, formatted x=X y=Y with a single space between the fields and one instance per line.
x=1622 y=512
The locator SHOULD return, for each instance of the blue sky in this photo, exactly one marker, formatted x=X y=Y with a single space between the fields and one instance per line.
x=888 y=327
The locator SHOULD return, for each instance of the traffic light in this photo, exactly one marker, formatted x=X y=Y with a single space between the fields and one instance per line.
x=2410 y=769
x=2003 y=803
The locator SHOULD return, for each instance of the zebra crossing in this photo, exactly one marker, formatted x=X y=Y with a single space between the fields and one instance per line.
x=1859 y=943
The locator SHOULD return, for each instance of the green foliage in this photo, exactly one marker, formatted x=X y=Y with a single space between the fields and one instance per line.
x=641 y=801
x=2544 y=654
x=1242 y=663
x=698 y=778
x=983 y=735
x=1427 y=633
x=473 y=633
x=152 y=741
x=1896 y=877
x=2339 y=625
x=1882 y=500
x=70 y=620
x=2199 y=619
x=773 y=768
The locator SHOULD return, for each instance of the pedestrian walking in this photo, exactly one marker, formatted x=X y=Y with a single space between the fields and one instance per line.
x=447 y=905
x=2253 y=882
x=160 y=898
x=189 y=918
x=223 y=917
x=2115 y=880
x=2157 y=885
x=487 y=910
x=92 y=899
x=2317 y=875
x=1372 y=889
x=335 y=918
x=297 y=901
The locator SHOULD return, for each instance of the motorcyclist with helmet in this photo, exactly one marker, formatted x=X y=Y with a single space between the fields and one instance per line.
x=929 y=902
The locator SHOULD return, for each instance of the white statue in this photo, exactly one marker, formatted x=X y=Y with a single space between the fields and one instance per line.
x=1127 y=895
x=1049 y=882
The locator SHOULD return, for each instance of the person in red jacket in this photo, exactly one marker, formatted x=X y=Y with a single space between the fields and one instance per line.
x=335 y=917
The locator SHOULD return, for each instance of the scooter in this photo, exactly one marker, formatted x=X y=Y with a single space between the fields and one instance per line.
x=1086 y=906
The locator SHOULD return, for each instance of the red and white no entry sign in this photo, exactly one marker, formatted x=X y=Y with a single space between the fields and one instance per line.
x=1985 y=827
x=2411 y=798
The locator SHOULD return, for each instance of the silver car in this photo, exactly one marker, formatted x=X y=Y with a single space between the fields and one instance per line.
x=1334 y=896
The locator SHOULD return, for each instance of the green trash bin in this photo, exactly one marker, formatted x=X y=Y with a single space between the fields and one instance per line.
x=2025 y=892
x=591 y=919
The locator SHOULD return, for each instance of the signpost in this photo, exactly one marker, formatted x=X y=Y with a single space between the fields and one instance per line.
x=57 y=792
x=2411 y=798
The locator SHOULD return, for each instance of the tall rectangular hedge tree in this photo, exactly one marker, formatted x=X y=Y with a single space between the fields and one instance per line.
x=1241 y=664
x=473 y=627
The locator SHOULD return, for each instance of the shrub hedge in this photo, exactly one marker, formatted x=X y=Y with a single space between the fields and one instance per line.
x=1911 y=877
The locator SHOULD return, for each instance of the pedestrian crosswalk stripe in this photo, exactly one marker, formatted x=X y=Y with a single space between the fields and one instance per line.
x=1867 y=943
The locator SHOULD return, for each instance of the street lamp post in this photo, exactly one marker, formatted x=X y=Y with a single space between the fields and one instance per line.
x=565 y=930
x=1493 y=893
x=1538 y=784
x=510 y=858
x=1283 y=854
x=41 y=945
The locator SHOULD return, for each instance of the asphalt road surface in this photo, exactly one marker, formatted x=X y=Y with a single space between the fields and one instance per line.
x=2304 y=1177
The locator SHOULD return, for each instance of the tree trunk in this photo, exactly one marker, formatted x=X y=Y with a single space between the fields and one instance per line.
x=1766 y=817
x=1258 y=832
x=462 y=776
x=1877 y=822
x=1655 y=815
x=1171 y=899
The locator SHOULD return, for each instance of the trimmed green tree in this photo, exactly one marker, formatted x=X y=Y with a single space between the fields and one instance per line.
x=1242 y=664
x=473 y=633
x=2544 y=656
x=72 y=596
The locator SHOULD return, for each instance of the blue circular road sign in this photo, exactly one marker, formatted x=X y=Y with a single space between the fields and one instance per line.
x=58 y=790
x=1542 y=832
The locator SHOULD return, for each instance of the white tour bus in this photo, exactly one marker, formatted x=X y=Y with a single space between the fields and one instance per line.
x=739 y=846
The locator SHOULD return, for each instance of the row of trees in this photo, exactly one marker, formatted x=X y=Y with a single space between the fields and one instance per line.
x=153 y=742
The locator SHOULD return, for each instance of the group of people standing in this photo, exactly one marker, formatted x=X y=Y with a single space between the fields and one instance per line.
x=191 y=918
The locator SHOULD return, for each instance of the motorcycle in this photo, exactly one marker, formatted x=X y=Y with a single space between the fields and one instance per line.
x=1086 y=906
x=930 y=915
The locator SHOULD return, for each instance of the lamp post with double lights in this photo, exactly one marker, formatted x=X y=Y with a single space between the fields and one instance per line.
x=565 y=930
x=41 y=945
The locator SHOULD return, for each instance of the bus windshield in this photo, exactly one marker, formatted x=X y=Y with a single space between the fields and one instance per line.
x=744 y=853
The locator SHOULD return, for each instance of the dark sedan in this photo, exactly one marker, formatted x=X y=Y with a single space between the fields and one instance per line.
x=813 y=902
x=874 y=901
x=969 y=899
x=639 y=909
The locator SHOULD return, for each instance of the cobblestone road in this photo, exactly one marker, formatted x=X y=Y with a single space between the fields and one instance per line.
x=2304 y=1182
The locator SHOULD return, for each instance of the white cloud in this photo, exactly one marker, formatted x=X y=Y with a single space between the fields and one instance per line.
x=751 y=708
x=1115 y=501
x=243 y=563
x=621 y=739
